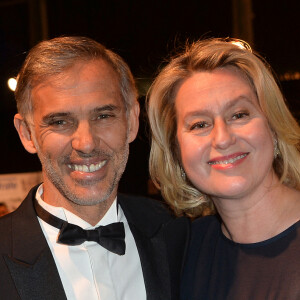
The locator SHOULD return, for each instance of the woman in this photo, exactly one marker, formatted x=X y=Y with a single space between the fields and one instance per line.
x=224 y=137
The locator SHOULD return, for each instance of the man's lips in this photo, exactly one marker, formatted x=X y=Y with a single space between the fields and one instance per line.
x=87 y=168
x=225 y=160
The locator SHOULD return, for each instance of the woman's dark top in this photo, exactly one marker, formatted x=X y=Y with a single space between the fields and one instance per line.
x=217 y=268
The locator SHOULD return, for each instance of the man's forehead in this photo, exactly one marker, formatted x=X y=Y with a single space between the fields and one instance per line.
x=81 y=72
x=80 y=110
x=84 y=81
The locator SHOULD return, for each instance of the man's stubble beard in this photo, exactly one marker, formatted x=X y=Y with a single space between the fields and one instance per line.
x=56 y=179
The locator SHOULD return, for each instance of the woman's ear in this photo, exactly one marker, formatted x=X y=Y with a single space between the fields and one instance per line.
x=24 y=133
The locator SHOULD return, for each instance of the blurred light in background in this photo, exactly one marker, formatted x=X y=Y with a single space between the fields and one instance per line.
x=12 y=84
x=290 y=76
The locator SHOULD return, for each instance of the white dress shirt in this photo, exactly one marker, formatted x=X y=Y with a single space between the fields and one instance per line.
x=89 y=271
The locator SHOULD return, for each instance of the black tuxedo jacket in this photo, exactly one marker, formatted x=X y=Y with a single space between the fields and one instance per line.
x=28 y=270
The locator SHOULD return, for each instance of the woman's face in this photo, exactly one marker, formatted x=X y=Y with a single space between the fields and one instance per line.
x=225 y=142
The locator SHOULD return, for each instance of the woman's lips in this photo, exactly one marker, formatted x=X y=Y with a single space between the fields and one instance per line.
x=228 y=161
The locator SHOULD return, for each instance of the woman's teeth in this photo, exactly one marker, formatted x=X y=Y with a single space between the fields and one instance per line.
x=229 y=161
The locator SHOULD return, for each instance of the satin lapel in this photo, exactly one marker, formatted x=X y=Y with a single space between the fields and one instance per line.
x=146 y=222
x=30 y=262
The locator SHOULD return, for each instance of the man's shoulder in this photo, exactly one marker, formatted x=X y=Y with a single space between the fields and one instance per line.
x=151 y=212
x=147 y=205
x=5 y=222
x=26 y=204
x=18 y=217
x=6 y=230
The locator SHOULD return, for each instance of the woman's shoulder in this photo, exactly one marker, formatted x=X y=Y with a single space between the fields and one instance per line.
x=205 y=226
x=205 y=231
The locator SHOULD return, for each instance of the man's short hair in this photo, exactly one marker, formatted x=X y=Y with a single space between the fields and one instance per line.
x=52 y=57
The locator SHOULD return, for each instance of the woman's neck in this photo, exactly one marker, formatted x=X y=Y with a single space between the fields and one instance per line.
x=258 y=218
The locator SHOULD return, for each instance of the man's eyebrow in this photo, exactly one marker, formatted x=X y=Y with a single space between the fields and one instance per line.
x=51 y=116
x=54 y=115
x=109 y=107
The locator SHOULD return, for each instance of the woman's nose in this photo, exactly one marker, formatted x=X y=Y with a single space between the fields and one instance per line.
x=223 y=136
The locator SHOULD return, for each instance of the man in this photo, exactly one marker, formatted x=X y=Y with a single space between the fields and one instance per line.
x=78 y=111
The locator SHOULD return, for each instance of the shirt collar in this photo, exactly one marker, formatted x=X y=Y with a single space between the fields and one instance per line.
x=111 y=215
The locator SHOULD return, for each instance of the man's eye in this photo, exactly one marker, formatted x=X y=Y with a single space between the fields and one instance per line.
x=240 y=115
x=199 y=125
x=58 y=123
x=104 y=116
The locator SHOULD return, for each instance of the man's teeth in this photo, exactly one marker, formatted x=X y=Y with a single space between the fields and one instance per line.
x=229 y=161
x=88 y=169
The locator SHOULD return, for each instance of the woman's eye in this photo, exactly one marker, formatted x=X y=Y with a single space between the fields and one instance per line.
x=199 y=125
x=240 y=115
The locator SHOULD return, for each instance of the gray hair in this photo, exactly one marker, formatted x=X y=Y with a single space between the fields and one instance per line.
x=52 y=57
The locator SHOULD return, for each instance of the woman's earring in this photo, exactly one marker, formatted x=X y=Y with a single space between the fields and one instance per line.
x=183 y=175
x=276 y=149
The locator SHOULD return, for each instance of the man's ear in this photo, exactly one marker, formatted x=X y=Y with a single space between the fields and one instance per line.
x=133 y=121
x=24 y=133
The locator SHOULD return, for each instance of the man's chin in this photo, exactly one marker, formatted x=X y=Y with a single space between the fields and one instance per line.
x=87 y=202
x=88 y=195
x=87 y=183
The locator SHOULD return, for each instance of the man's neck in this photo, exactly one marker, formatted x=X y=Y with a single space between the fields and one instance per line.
x=92 y=214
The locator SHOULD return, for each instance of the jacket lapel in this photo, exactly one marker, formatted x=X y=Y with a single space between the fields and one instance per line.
x=30 y=262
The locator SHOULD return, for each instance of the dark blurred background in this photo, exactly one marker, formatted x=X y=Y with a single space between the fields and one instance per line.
x=144 y=33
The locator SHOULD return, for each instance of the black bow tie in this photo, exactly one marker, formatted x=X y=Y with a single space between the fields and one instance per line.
x=111 y=237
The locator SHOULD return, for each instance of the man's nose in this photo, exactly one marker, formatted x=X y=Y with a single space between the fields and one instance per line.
x=222 y=135
x=84 y=138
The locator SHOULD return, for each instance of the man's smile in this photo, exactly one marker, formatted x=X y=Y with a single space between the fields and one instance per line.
x=87 y=168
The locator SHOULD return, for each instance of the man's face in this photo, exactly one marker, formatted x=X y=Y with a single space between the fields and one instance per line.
x=81 y=134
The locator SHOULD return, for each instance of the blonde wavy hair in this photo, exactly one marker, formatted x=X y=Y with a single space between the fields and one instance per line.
x=207 y=55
